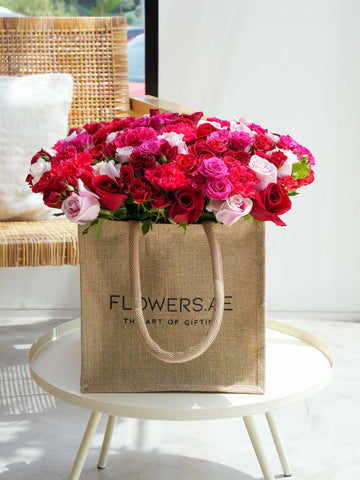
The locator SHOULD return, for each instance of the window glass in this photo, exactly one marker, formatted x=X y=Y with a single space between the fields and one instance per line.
x=132 y=10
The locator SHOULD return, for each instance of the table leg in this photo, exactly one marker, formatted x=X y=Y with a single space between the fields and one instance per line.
x=85 y=445
x=279 y=444
x=258 y=447
x=107 y=441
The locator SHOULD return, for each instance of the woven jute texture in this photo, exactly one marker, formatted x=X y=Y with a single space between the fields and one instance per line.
x=177 y=303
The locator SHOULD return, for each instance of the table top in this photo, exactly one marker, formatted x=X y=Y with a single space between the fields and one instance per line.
x=298 y=365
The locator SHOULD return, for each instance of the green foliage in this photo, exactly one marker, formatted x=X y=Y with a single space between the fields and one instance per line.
x=300 y=170
x=104 y=8
x=40 y=8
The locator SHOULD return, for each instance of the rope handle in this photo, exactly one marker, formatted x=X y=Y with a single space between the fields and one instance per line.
x=195 y=350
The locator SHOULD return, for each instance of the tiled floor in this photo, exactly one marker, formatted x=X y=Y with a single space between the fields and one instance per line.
x=39 y=436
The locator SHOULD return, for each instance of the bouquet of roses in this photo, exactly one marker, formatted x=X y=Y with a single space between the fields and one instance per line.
x=171 y=168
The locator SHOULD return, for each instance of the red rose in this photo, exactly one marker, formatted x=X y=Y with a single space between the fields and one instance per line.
x=139 y=191
x=213 y=147
x=232 y=159
x=52 y=199
x=270 y=203
x=278 y=158
x=205 y=129
x=41 y=154
x=167 y=151
x=188 y=162
x=194 y=117
x=100 y=135
x=49 y=182
x=263 y=143
x=140 y=160
x=110 y=194
x=126 y=175
x=97 y=151
x=159 y=200
x=187 y=205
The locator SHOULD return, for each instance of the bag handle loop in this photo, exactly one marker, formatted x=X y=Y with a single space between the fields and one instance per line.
x=205 y=342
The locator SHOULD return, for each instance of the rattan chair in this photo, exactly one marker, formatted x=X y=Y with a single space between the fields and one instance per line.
x=94 y=51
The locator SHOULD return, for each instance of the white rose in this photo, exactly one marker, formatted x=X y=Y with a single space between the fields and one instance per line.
x=38 y=168
x=286 y=167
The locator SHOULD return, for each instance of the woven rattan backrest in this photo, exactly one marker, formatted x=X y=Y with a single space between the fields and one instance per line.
x=92 y=49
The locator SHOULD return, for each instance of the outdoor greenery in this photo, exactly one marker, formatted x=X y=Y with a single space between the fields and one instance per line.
x=61 y=8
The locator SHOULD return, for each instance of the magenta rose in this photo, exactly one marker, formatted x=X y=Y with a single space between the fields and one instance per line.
x=218 y=188
x=270 y=203
x=187 y=205
x=213 y=167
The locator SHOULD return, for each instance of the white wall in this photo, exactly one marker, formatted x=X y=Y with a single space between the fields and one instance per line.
x=293 y=67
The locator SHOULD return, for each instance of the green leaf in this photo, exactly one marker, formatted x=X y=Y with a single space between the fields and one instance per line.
x=163 y=158
x=247 y=217
x=86 y=230
x=300 y=170
x=305 y=159
x=121 y=213
x=292 y=193
x=58 y=214
x=206 y=216
x=97 y=229
x=146 y=226
x=184 y=226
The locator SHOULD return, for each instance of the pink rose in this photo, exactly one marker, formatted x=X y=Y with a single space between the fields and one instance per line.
x=81 y=208
x=218 y=188
x=213 y=167
x=230 y=210
x=107 y=168
x=264 y=170
x=122 y=155
x=240 y=140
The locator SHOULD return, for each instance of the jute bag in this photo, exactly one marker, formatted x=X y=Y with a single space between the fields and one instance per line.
x=172 y=311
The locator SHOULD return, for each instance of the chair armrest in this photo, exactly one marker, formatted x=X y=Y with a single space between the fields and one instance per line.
x=140 y=105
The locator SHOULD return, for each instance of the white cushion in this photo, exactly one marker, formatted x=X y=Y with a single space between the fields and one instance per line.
x=33 y=114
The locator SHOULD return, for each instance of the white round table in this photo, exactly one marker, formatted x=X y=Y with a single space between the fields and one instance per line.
x=298 y=364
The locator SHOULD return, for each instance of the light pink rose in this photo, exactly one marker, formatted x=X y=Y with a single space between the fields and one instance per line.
x=218 y=188
x=81 y=208
x=213 y=167
x=286 y=168
x=122 y=155
x=107 y=168
x=230 y=210
x=264 y=170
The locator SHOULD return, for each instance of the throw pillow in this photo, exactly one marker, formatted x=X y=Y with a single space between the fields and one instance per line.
x=33 y=114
